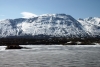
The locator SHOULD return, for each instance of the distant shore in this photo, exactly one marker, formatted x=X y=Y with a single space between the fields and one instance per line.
x=49 y=41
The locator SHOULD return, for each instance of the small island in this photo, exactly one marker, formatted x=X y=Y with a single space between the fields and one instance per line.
x=13 y=47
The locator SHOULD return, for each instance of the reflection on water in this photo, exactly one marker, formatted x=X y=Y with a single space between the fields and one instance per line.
x=51 y=56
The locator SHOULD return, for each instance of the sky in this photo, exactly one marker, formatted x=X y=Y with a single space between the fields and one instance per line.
x=10 y=9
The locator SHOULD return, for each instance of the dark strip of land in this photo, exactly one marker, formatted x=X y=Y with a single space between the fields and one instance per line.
x=49 y=41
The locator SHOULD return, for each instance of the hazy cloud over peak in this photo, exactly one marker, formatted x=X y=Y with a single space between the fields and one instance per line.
x=28 y=15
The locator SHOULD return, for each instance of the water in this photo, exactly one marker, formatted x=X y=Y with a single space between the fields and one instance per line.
x=51 y=56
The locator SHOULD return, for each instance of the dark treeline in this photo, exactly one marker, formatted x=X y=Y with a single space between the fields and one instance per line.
x=48 y=41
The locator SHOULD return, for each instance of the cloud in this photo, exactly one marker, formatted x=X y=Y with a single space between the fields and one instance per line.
x=28 y=15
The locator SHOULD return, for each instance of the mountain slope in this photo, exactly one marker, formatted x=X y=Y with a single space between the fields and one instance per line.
x=91 y=25
x=47 y=24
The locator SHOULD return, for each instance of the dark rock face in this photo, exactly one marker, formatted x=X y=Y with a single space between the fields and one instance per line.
x=14 y=47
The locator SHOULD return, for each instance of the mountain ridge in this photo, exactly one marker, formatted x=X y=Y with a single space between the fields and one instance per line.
x=92 y=25
x=58 y=25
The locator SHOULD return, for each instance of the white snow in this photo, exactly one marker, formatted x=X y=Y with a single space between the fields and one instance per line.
x=50 y=24
x=91 y=25
x=52 y=56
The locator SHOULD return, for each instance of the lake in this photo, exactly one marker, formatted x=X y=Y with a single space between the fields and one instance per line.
x=51 y=56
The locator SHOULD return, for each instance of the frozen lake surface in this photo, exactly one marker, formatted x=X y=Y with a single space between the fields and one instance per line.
x=51 y=56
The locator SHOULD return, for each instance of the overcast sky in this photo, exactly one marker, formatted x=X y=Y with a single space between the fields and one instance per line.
x=27 y=8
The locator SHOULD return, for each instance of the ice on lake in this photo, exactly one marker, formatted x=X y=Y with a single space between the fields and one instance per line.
x=51 y=56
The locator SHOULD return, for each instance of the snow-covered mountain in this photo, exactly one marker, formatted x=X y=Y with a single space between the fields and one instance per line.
x=91 y=25
x=49 y=24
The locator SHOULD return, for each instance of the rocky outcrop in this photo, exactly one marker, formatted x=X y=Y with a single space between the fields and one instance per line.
x=14 y=47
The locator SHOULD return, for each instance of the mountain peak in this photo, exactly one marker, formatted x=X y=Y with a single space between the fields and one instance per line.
x=50 y=25
x=47 y=24
x=54 y=15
